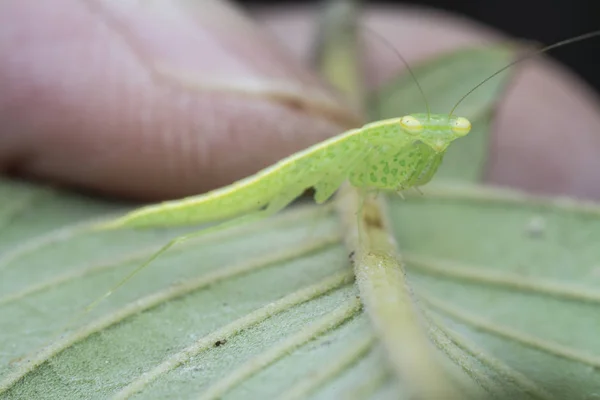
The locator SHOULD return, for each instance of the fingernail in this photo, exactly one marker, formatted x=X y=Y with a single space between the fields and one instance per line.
x=209 y=45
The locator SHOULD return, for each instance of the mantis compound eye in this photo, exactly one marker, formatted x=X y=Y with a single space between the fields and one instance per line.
x=411 y=124
x=460 y=126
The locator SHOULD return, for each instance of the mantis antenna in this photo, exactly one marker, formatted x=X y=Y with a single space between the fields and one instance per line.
x=524 y=57
x=410 y=71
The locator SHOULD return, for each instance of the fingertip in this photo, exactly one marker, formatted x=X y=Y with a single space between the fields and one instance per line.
x=169 y=103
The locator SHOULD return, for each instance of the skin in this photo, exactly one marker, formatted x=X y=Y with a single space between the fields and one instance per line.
x=145 y=119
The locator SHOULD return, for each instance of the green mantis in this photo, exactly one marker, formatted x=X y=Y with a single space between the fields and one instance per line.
x=390 y=155
x=394 y=155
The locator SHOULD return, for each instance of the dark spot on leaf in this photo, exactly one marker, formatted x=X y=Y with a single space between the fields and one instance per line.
x=220 y=342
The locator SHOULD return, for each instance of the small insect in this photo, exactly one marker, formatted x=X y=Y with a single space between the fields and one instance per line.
x=394 y=155
x=390 y=155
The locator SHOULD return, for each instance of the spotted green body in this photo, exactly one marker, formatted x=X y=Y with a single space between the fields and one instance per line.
x=391 y=155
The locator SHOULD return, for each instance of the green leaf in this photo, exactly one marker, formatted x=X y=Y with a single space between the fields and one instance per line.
x=512 y=280
x=516 y=307
x=248 y=289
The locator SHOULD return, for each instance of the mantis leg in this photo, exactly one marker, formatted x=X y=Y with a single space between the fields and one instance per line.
x=330 y=183
x=327 y=186
x=409 y=182
x=273 y=207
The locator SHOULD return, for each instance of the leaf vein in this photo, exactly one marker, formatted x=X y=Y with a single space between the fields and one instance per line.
x=324 y=324
x=513 y=281
x=482 y=324
x=35 y=360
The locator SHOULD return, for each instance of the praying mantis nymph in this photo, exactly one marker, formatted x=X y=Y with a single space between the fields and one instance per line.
x=393 y=155
x=390 y=155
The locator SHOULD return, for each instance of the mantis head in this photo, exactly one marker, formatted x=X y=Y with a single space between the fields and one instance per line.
x=435 y=130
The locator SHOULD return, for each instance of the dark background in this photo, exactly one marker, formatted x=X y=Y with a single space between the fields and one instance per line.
x=544 y=21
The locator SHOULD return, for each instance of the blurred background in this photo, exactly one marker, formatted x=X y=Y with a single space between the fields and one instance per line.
x=544 y=21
